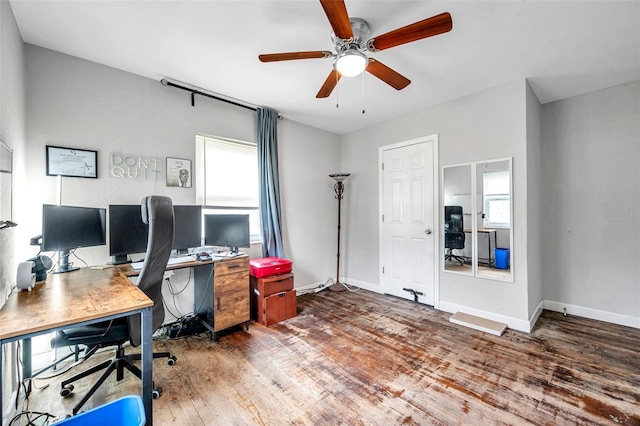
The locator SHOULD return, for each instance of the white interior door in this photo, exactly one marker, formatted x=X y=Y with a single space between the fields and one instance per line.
x=408 y=246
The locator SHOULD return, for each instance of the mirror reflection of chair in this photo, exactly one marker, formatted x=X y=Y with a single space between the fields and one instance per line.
x=453 y=233
x=157 y=212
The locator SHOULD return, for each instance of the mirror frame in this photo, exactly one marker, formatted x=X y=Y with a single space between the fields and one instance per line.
x=475 y=225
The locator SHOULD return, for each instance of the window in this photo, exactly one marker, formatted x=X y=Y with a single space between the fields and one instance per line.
x=497 y=199
x=227 y=178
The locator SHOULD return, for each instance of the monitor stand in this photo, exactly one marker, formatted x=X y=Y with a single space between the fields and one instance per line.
x=63 y=265
x=119 y=259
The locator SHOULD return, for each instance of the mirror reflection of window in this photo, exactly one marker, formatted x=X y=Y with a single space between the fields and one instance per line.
x=497 y=199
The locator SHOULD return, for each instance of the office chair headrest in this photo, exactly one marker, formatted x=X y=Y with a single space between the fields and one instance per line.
x=149 y=203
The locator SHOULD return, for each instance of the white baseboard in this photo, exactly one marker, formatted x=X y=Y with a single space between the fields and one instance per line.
x=351 y=282
x=513 y=323
x=362 y=284
x=536 y=314
x=307 y=287
x=596 y=314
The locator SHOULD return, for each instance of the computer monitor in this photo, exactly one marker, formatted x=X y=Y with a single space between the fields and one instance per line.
x=227 y=230
x=128 y=234
x=188 y=228
x=65 y=228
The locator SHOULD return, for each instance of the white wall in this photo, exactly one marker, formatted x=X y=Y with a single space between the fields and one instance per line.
x=591 y=219
x=307 y=157
x=80 y=104
x=483 y=126
x=12 y=133
x=534 y=204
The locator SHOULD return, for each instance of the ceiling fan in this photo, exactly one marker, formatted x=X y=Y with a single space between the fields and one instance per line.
x=350 y=39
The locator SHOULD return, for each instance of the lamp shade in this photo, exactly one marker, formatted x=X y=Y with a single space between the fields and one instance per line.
x=339 y=177
x=350 y=63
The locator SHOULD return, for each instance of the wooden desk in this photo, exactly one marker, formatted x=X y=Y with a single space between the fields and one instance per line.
x=80 y=297
x=221 y=290
x=490 y=259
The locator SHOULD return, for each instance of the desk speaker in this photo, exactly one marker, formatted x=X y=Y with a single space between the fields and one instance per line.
x=42 y=264
x=26 y=279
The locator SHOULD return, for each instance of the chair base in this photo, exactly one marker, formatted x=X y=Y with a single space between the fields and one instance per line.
x=450 y=256
x=118 y=364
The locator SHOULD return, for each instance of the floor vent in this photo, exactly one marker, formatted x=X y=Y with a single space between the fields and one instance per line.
x=478 y=323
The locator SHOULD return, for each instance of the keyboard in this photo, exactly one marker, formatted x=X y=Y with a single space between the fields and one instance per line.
x=172 y=261
x=226 y=254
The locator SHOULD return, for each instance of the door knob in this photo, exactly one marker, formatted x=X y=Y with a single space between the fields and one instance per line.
x=428 y=232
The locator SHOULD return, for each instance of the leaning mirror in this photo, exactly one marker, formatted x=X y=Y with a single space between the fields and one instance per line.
x=494 y=219
x=456 y=224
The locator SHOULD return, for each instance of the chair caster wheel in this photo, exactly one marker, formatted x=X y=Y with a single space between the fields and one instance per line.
x=66 y=391
x=156 y=392
x=172 y=360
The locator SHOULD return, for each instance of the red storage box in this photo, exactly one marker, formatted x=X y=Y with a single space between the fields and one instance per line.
x=268 y=266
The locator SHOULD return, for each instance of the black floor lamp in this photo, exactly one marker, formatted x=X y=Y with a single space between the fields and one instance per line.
x=339 y=188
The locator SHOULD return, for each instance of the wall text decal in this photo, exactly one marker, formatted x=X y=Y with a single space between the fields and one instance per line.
x=127 y=166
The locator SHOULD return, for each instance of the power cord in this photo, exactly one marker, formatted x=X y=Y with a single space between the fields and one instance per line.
x=31 y=420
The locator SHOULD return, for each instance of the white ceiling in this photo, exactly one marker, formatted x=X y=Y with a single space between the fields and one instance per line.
x=564 y=48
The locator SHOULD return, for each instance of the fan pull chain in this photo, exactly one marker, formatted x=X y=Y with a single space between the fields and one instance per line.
x=363 y=92
x=337 y=97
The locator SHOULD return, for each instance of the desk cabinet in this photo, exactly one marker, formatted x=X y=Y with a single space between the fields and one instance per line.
x=226 y=303
x=273 y=299
x=231 y=293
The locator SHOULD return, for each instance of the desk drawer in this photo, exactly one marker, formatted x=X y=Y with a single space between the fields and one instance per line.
x=277 y=307
x=231 y=266
x=271 y=285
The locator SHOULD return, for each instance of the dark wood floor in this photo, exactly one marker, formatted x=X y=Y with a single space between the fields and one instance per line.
x=360 y=358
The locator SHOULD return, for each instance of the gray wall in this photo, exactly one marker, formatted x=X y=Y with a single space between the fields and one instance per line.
x=12 y=133
x=591 y=245
x=535 y=192
x=81 y=104
x=484 y=126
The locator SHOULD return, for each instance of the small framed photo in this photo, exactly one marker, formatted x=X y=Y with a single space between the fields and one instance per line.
x=178 y=172
x=72 y=162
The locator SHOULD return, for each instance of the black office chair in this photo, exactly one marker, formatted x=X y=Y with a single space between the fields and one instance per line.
x=453 y=233
x=157 y=212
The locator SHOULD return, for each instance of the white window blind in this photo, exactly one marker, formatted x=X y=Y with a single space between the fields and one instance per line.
x=226 y=173
x=496 y=182
x=497 y=199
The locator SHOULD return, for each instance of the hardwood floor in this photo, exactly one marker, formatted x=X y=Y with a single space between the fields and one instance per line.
x=360 y=358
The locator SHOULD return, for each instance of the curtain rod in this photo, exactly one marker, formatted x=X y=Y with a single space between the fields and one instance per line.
x=194 y=92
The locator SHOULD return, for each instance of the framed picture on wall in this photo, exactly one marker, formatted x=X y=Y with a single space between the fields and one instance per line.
x=72 y=162
x=178 y=172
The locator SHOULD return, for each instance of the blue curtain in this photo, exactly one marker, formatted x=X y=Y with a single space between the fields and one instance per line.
x=269 y=183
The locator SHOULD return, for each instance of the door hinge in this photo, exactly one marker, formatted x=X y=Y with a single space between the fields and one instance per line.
x=383 y=269
x=382 y=166
x=383 y=218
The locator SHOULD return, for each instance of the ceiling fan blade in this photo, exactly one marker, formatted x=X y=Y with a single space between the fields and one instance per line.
x=417 y=31
x=329 y=84
x=289 y=56
x=386 y=74
x=336 y=11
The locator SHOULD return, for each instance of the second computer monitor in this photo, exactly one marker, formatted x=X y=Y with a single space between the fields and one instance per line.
x=128 y=234
x=227 y=230
x=188 y=228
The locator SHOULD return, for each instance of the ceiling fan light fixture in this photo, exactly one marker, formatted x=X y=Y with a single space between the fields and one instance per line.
x=351 y=63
